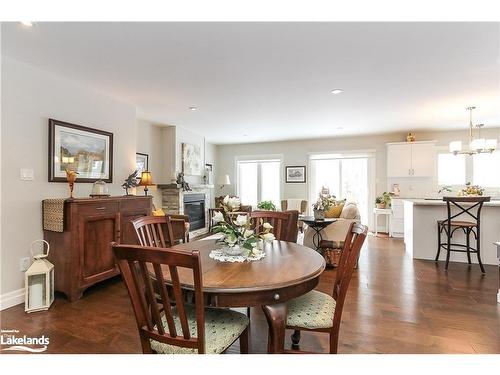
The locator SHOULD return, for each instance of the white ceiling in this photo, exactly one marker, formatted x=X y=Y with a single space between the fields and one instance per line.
x=271 y=81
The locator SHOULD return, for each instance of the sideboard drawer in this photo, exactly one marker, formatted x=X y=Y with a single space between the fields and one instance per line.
x=138 y=204
x=98 y=208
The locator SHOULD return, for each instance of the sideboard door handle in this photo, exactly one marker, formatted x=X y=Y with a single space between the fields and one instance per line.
x=100 y=208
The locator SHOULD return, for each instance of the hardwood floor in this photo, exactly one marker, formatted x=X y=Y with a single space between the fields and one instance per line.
x=394 y=305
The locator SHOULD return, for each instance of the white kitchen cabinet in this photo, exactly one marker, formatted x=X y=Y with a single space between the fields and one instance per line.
x=415 y=159
x=396 y=223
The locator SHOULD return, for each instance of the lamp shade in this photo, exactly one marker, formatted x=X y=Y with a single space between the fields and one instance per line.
x=146 y=179
x=224 y=180
x=477 y=144
x=491 y=144
x=456 y=146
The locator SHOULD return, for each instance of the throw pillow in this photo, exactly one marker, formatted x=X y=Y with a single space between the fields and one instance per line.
x=158 y=212
x=334 y=211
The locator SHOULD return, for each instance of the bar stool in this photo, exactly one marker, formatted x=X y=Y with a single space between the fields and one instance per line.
x=449 y=226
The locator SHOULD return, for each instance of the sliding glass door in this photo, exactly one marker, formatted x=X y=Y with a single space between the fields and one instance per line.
x=347 y=176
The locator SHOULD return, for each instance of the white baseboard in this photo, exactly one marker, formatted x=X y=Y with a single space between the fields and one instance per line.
x=11 y=299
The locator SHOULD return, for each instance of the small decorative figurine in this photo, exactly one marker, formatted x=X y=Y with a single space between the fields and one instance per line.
x=410 y=137
x=131 y=181
x=180 y=181
x=71 y=177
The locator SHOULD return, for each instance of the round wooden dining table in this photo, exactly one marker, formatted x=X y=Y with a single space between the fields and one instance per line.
x=288 y=270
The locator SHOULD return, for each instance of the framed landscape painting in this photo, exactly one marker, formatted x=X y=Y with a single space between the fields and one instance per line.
x=295 y=174
x=85 y=150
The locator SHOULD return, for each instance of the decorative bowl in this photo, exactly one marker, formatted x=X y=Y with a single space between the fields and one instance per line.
x=233 y=250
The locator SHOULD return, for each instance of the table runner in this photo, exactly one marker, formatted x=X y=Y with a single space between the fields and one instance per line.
x=53 y=214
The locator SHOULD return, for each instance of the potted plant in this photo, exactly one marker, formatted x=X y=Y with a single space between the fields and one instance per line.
x=322 y=204
x=384 y=200
x=266 y=206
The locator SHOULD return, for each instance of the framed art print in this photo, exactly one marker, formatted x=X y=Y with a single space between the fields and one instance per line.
x=295 y=174
x=87 y=151
x=141 y=162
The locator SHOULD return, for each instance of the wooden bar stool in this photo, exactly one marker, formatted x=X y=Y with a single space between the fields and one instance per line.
x=450 y=226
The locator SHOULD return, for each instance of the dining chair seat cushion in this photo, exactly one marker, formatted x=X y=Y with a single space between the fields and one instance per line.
x=312 y=310
x=222 y=328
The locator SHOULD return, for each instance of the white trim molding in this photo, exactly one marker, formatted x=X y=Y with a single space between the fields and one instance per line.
x=10 y=299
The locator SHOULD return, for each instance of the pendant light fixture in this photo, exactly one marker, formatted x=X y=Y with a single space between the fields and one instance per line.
x=477 y=145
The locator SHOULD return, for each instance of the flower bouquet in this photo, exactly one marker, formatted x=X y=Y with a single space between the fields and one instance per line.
x=237 y=237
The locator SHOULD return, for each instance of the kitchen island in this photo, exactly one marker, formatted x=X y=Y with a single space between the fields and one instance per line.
x=421 y=233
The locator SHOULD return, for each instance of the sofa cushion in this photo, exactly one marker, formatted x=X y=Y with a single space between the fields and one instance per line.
x=350 y=211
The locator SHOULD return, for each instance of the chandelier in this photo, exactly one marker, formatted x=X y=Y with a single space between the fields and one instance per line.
x=477 y=145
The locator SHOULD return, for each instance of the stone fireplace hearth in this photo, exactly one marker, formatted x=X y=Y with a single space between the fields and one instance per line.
x=173 y=202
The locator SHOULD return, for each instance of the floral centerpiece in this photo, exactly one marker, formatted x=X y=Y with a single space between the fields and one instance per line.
x=322 y=204
x=471 y=190
x=237 y=237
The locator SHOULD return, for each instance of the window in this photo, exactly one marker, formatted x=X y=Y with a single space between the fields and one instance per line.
x=451 y=169
x=259 y=180
x=486 y=170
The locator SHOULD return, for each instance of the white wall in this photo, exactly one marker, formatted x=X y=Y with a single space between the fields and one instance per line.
x=150 y=141
x=29 y=97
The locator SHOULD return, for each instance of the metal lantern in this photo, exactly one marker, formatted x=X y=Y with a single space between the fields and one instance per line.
x=39 y=282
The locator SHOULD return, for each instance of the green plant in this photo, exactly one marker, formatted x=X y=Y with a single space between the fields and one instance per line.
x=266 y=205
x=324 y=202
x=385 y=198
x=446 y=189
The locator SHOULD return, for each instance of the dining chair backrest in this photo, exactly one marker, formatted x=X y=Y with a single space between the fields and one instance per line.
x=143 y=269
x=154 y=231
x=347 y=263
x=472 y=210
x=280 y=222
x=180 y=228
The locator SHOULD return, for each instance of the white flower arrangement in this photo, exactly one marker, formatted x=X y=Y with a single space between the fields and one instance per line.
x=237 y=233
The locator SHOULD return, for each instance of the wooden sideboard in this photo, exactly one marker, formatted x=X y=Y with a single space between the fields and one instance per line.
x=81 y=254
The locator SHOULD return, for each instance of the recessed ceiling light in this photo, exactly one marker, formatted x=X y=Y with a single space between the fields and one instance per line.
x=193 y=108
x=27 y=23
x=336 y=91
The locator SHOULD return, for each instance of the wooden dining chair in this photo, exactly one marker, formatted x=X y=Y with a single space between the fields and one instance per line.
x=161 y=231
x=154 y=231
x=321 y=312
x=182 y=328
x=284 y=223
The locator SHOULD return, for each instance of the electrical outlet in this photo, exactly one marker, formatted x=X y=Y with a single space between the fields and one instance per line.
x=24 y=264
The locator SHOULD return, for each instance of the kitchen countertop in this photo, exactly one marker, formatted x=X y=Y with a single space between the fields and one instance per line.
x=439 y=202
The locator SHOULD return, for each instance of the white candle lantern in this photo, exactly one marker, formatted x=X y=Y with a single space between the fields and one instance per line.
x=39 y=282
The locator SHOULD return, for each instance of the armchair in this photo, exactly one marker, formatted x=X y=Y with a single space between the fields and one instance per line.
x=299 y=205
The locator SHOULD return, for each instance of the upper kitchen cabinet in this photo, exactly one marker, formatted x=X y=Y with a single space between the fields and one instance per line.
x=415 y=159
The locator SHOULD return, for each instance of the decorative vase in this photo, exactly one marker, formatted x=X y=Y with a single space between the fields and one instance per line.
x=233 y=250
x=71 y=177
x=319 y=215
x=380 y=205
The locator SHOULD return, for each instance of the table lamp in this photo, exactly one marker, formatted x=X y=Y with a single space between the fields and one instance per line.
x=224 y=180
x=146 y=180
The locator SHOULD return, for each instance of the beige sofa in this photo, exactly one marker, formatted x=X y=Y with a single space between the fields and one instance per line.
x=337 y=231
